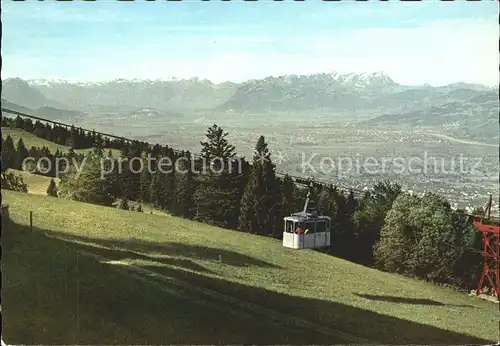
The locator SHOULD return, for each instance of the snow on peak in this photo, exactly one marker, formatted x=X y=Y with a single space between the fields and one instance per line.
x=49 y=81
x=363 y=79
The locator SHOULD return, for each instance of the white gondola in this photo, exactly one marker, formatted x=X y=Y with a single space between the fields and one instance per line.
x=316 y=228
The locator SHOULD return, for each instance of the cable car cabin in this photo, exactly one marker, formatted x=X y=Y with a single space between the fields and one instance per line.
x=307 y=229
x=317 y=228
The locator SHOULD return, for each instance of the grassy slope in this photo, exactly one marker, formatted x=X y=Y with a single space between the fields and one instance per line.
x=30 y=140
x=38 y=184
x=319 y=288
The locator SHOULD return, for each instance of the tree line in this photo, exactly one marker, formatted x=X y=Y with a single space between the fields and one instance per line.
x=389 y=229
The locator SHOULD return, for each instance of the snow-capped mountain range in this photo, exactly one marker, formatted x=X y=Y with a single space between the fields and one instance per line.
x=333 y=91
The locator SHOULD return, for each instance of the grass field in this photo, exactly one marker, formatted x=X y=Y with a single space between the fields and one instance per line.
x=38 y=184
x=31 y=140
x=105 y=276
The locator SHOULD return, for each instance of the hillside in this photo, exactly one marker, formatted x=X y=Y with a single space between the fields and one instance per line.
x=475 y=118
x=30 y=140
x=52 y=113
x=194 y=275
x=165 y=95
x=37 y=185
x=334 y=92
x=46 y=112
x=20 y=92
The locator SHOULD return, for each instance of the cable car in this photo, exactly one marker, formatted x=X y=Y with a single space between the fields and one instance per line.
x=307 y=229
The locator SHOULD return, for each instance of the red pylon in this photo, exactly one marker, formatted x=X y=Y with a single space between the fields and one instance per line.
x=491 y=251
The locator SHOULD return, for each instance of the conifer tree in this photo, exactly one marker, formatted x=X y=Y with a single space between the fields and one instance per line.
x=8 y=154
x=71 y=155
x=134 y=176
x=87 y=185
x=216 y=195
x=184 y=189
x=216 y=145
x=154 y=193
x=286 y=204
x=124 y=174
x=21 y=154
x=327 y=201
x=158 y=190
x=28 y=125
x=342 y=237
x=259 y=201
x=144 y=184
x=18 y=122
x=52 y=189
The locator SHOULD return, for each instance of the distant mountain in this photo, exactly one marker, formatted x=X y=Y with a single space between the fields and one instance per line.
x=149 y=114
x=20 y=92
x=350 y=94
x=170 y=95
x=50 y=113
x=63 y=115
x=475 y=117
x=344 y=92
x=334 y=91
x=15 y=107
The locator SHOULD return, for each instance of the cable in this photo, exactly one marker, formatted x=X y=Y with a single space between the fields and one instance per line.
x=297 y=180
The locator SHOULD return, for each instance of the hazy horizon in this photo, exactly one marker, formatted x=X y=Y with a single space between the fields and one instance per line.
x=414 y=43
x=173 y=79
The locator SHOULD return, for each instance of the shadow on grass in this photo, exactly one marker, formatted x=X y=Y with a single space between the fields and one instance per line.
x=407 y=300
x=173 y=249
x=47 y=301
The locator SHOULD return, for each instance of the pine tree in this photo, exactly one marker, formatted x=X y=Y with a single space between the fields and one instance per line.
x=71 y=155
x=28 y=125
x=184 y=190
x=145 y=183
x=154 y=194
x=259 y=202
x=8 y=154
x=52 y=189
x=87 y=185
x=21 y=154
x=216 y=145
x=136 y=162
x=327 y=201
x=216 y=195
x=351 y=203
x=286 y=204
x=162 y=190
x=18 y=122
x=163 y=182
x=125 y=176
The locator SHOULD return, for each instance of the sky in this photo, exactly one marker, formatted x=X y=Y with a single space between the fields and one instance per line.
x=414 y=43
